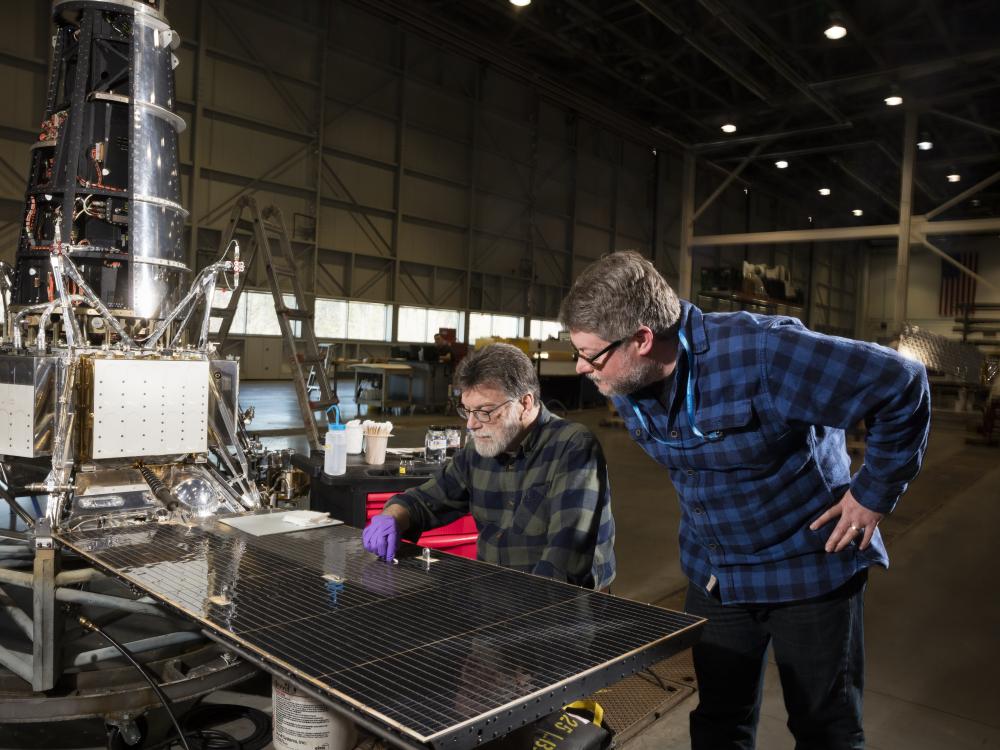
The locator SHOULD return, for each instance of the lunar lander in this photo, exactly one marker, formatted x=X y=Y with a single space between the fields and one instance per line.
x=114 y=408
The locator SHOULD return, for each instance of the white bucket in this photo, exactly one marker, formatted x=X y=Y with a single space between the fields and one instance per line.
x=303 y=723
x=354 y=439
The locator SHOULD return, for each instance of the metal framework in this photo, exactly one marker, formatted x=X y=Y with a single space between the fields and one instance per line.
x=523 y=262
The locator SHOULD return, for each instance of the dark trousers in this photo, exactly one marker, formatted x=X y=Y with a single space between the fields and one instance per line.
x=819 y=648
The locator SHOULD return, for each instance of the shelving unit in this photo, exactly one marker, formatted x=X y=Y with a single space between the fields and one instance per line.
x=715 y=301
x=979 y=325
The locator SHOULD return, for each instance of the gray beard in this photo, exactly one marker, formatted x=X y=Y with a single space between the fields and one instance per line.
x=630 y=382
x=501 y=436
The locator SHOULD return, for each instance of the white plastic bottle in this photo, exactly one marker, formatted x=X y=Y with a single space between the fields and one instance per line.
x=335 y=460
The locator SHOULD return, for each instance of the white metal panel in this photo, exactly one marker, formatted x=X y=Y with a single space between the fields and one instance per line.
x=149 y=408
x=17 y=419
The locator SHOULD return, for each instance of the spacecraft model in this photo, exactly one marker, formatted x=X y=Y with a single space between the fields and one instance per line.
x=114 y=409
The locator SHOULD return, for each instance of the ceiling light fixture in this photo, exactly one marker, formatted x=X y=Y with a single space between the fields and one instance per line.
x=895 y=98
x=520 y=3
x=824 y=191
x=954 y=177
x=728 y=128
x=781 y=164
x=858 y=212
x=836 y=30
x=925 y=145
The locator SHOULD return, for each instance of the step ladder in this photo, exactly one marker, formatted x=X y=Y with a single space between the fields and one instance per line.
x=311 y=372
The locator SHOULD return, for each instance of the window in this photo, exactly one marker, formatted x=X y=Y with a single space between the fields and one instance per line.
x=239 y=325
x=255 y=315
x=542 y=330
x=419 y=324
x=331 y=318
x=343 y=319
x=487 y=324
x=370 y=321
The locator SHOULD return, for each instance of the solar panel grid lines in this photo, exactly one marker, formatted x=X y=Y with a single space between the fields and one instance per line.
x=405 y=623
x=446 y=654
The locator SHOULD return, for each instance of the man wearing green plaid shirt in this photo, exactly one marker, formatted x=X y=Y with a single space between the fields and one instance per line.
x=536 y=485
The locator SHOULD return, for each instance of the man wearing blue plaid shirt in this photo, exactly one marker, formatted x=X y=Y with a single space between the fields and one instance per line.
x=536 y=485
x=748 y=413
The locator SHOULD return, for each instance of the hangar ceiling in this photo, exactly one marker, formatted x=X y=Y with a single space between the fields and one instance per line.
x=684 y=68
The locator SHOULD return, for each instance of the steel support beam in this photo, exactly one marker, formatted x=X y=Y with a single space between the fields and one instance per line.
x=834 y=234
x=322 y=40
x=905 y=216
x=862 y=290
x=948 y=259
x=720 y=10
x=963 y=121
x=873 y=189
x=455 y=38
x=768 y=137
x=397 y=183
x=16 y=662
x=662 y=13
x=962 y=196
x=685 y=261
x=240 y=35
x=19 y=618
x=47 y=621
x=730 y=178
x=791 y=153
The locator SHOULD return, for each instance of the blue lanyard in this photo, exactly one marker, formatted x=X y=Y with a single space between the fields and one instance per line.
x=692 y=375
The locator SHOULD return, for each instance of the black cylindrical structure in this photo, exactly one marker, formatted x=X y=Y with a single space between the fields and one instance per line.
x=105 y=169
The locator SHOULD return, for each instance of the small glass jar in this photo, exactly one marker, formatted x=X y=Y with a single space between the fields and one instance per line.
x=435 y=444
x=453 y=435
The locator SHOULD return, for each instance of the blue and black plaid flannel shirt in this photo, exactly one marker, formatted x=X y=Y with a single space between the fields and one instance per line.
x=781 y=396
x=544 y=510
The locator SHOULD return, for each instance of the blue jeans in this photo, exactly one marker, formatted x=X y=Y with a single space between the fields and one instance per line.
x=819 y=648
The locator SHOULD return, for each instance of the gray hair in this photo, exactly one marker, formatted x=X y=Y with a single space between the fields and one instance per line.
x=499 y=366
x=618 y=294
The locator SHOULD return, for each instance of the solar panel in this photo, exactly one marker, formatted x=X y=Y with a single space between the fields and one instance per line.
x=443 y=653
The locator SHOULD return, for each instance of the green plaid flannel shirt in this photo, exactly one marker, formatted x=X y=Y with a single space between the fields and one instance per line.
x=545 y=510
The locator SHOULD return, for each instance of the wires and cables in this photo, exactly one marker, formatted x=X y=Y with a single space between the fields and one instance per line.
x=167 y=705
x=193 y=732
x=96 y=157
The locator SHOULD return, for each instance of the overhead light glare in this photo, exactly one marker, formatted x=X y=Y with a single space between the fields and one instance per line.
x=728 y=128
x=894 y=101
x=858 y=212
x=925 y=145
x=954 y=177
x=824 y=191
x=520 y=3
x=781 y=164
x=836 y=30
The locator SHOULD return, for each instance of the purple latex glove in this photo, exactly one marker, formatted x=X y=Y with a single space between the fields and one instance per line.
x=381 y=538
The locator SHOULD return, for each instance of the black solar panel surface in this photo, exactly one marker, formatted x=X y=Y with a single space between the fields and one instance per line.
x=431 y=650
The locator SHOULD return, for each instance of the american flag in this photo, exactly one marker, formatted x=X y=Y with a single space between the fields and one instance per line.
x=957 y=287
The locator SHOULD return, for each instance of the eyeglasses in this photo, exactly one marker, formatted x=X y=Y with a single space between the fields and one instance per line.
x=481 y=415
x=592 y=361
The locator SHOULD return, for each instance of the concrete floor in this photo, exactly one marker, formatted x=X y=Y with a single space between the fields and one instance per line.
x=932 y=620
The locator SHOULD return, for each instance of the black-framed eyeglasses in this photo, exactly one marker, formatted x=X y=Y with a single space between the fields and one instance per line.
x=481 y=415
x=592 y=361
